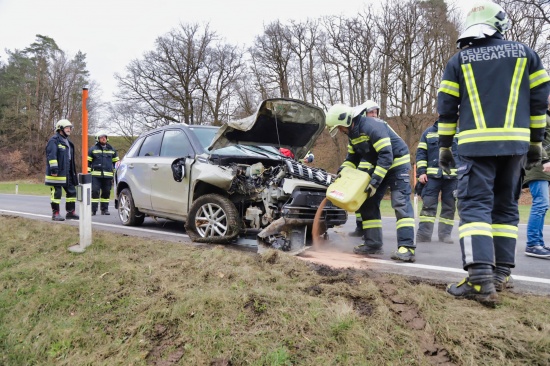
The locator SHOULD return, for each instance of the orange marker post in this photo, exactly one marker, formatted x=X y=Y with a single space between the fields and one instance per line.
x=84 y=131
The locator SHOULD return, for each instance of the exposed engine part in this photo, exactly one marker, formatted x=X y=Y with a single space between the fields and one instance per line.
x=285 y=234
x=310 y=174
x=253 y=214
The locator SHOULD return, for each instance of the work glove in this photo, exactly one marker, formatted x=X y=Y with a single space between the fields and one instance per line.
x=418 y=188
x=370 y=191
x=54 y=171
x=446 y=160
x=534 y=155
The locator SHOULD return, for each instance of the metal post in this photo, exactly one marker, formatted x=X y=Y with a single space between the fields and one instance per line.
x=84 y=197
x=17 y=189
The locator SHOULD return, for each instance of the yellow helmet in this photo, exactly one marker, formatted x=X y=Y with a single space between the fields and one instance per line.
x=62 y=123
x=339 y=115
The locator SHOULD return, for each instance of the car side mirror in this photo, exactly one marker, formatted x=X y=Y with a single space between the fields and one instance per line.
x=178 y=169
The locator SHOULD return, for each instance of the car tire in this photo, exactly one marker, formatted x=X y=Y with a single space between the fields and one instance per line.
x=127 y=212
x=213 y=219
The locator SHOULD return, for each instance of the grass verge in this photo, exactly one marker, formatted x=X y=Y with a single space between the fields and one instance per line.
x=135 y=301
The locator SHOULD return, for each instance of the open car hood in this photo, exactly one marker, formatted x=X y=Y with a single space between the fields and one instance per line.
x=279 y=122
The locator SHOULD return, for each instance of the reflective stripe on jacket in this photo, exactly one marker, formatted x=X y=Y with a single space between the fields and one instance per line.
x=427 y=155
x=499 y=88
x=101 y=160
x=378 y=145
x=57 y=157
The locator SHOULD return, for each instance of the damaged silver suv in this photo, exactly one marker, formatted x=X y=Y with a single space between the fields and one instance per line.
x=231 y=181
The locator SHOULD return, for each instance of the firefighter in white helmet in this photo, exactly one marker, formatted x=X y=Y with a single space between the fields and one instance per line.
x=102 y=158
x=61 y=170
x=373 y=141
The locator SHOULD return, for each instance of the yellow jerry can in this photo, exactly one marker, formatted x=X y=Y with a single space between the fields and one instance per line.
x=348 y=191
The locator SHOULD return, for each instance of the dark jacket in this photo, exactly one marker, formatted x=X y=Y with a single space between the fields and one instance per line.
x=101 y=160
x=57 y=161
x=427 y=155
x=500 y=90
x=536 y=172
x=376 y=143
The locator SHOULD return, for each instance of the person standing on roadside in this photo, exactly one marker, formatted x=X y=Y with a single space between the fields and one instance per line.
x=435 y=182
x=61 y=170
x=499 y=88
x=102 y=158
x=538 y=180
x=373 y=141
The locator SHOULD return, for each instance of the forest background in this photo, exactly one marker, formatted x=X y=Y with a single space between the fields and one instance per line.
x=394 y=53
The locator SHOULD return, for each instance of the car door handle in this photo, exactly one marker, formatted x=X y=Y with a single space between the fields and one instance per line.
x=155 y=167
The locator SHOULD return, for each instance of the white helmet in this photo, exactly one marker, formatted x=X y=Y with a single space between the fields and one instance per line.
x=366 y=107
x=99 y=134
x=62 y=123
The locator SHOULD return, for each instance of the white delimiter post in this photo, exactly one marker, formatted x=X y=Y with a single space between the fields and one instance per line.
x=84 y=196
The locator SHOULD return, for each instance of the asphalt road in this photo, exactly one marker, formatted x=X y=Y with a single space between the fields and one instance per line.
x=435 y=260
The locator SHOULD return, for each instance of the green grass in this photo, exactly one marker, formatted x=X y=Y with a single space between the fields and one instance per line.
x=137 y=301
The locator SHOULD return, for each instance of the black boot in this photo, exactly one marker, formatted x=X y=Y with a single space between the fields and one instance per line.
x=57 y=217
x=503 y=278
x=71 y=215
x=105 y=212
x=477 y=286
x=358 y=232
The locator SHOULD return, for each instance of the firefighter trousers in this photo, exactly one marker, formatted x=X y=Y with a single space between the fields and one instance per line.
x=398 y=181
x=430 y=197
x=488 y=192
x=70 y=197
x=101 y=193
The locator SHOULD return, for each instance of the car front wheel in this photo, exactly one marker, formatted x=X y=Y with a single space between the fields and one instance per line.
x=212 y=219
x=128 y=213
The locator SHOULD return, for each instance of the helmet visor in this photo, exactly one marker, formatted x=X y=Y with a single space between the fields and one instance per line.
x=333 y=131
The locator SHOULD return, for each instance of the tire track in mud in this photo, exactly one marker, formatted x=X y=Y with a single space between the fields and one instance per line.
x=404 y=312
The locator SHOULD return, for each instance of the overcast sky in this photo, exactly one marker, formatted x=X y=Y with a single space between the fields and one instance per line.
x=113 y=32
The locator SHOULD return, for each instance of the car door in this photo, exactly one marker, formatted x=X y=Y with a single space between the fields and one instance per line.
x=139 y=170
x=168 y=195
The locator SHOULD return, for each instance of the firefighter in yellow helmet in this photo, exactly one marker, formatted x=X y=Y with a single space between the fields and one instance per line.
x=499 y=89
x=102 y=158
x=61 y=170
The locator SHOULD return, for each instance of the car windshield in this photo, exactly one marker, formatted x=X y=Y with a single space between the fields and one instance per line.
x=206 y=135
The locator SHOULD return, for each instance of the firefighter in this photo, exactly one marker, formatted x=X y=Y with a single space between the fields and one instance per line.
x=499 y=89
x=102 y=158
x=373 y=141
x=370 y=109
x=61 y=170
x=433 y=182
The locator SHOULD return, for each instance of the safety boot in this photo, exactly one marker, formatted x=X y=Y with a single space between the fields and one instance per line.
x=105 y=212
x=365 y=249
x=502 y=278
x=57 y=217
x=71 y=215
x=478 y=286
x=446 y=239
x=404 y=254
x=423 y=239
x=357 y=233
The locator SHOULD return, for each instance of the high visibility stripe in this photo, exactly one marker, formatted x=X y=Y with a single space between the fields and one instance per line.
x=55 y=180
x=70 y=199
x=98 y=173
x=495 y=134
x=431 y=135
x=365 y=165
x=473 y=95
x=514 y=92
x=94 y=200
x=423 y=145
x=103 y=152
x=422 y=164
x=358 y=215
x=405 y=222
x=53 y=163
x=401 y=160
x=475 y=228
x=103 y=200
x=360 y=139
x=427 y=219
x=508 y=231
x=447 y=128
x=382 y=143
x=372 y=224
x=90 y=158
x=537 y=121
x=350 y=149
x=449 y=87
x=381 y=172
x=348 y=164
x=537 y=78
x=436 y=171
x=445 y=221
x=117 y=159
